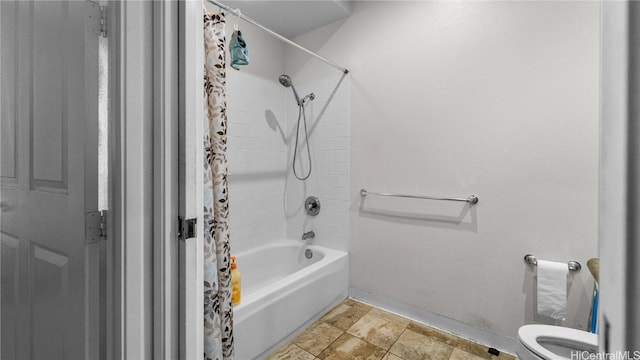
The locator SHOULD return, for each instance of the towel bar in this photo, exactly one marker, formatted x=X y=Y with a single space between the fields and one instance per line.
x=471 y=199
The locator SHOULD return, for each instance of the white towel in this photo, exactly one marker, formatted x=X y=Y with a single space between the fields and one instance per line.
x=552 y=289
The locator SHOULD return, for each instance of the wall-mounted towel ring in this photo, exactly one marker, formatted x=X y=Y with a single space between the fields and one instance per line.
x=573 y=265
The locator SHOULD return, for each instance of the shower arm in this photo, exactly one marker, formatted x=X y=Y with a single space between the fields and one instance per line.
x=238 y=13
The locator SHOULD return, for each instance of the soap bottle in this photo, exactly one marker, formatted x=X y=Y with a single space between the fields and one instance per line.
x=236 y=282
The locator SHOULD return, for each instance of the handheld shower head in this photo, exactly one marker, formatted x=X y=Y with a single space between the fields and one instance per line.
x=285 y=80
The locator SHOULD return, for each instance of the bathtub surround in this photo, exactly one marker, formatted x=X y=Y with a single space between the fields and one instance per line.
x=499 y=99
x=257 y=144
x=267 y=202
x=218 y=314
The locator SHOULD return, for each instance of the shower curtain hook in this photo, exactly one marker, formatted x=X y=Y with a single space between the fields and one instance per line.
x=221 y=11
x=238 y=14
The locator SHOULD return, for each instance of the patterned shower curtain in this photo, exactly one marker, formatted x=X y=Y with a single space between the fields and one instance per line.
x=218 y=313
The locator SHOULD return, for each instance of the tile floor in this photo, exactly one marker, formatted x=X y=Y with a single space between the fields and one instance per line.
x=356 y=331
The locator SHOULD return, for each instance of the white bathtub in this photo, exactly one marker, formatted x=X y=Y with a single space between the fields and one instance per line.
x=282 y=291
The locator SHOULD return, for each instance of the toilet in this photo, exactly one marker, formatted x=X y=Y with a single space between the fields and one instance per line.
x=550 y=342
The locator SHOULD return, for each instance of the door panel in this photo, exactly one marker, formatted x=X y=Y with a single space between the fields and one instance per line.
x=51 y=85
x=9 y=294
x=9 y=128
x=49 y=179
x=49 y=288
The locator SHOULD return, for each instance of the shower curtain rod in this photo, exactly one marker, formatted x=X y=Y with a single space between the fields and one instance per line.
x=237 y=13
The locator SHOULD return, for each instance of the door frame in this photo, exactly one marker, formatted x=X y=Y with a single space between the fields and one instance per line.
x=130 y=222
x=156 y=58
x=165 y=175
x=191 y=102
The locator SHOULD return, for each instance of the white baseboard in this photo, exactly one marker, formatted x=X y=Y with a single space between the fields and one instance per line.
x=455 y=327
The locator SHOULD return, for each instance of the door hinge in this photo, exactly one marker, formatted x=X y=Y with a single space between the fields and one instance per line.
x=186 y=228
x=103 y=21
x=95 y=226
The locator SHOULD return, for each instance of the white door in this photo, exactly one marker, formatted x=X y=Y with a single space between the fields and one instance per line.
x=49 y=117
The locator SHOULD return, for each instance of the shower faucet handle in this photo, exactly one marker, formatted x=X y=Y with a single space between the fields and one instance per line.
x=312 y=205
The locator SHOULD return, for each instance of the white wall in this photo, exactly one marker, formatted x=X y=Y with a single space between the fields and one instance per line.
x=256 y=143
x=499 y=99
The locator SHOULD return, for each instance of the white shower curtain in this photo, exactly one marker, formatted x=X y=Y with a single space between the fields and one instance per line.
x=218 y=312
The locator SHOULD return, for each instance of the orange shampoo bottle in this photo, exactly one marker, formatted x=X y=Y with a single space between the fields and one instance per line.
x=236 y=282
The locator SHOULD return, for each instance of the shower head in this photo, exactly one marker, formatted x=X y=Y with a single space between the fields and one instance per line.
x=285 y=80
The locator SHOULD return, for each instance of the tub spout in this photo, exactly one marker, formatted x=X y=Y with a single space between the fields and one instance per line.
x=308 y=235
